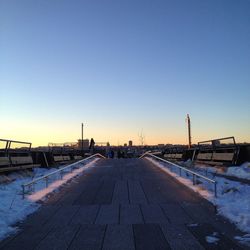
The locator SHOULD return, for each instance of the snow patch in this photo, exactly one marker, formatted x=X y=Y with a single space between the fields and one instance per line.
x=232 y=197
x=245 y=239
x=193 y=225
x=42 y=193
x=13 y=208
x=242 y=171
x=212 y=239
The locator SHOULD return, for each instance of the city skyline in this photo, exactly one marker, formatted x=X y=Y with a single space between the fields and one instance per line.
x=122 y=68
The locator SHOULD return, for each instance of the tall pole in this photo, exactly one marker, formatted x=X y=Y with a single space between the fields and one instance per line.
x=82 y=137
x=189 y=131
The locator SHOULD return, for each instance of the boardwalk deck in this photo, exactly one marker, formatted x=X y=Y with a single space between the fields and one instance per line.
x=124 y=204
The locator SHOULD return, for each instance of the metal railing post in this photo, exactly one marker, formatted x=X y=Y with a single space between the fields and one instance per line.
x=194 y=174
x=215 y=189
x=46 y=181
x=60 y=171
x=23 y=187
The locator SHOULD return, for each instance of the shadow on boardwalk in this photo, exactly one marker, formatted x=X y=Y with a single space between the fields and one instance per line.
x=124 y=204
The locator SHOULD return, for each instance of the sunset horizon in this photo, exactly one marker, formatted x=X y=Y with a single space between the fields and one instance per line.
x=123 y=68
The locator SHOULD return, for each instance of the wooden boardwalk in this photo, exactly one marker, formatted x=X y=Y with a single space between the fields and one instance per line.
x=124 y=204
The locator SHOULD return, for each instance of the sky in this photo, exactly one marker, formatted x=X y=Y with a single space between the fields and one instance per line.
x=124 y=68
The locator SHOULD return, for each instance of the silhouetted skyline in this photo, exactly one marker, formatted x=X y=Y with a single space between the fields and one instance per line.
x=121 y=67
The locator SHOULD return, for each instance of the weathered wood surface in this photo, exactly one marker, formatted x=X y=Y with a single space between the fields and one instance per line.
x=123 y=204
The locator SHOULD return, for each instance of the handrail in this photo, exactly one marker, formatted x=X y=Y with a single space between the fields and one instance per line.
x=45 y=177
x=218 y=139
x=187 y=170
x=8 y=144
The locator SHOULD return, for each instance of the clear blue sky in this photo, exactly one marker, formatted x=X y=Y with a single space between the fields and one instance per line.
x=122 y=67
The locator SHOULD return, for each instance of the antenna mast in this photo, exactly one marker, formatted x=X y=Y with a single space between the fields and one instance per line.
x=141 y=138
x=82 y=138
x=189 y=131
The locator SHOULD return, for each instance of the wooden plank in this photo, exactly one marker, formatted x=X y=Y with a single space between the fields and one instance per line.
x=19 y=160
x=167 y=156
x=79 y=190
x=153 y=214
x=120 y=195
x=4 y=161
x=136 y=193
x=223 y=156
x=85 y=215
x=77 y=157
x=105 y=193
x=54 y=198
x=108 y=214
x=58 y=158
x=41 y=216
x=204 y=156
x=62 y=217
x=176 y=214
x=130 y=214
x=149 y=237
x=58 y=238
x=72 y=194
x=67 y=197
x=202 y=231
x=178 y=156
x=89 y=237
x=28 y=239
x=153 y=191
x=197 y=212
x=89 y=194
x=66 y=158
x=204 y=212
x=179 y=238
x=119 y=237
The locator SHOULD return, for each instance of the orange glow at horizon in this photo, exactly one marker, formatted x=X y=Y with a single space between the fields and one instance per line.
x=40 y=134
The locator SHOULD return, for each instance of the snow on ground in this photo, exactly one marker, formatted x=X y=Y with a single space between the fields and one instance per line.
x=41 y=192
x=242 y=171
x=13 y=208
x=233 y=198
x=212 y=239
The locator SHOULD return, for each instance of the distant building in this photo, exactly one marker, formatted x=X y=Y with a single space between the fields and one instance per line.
x=130 y=143
x=85 y=143
x=125 y=144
